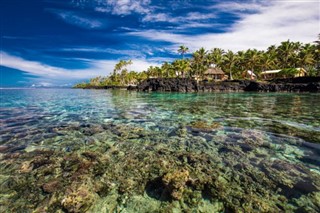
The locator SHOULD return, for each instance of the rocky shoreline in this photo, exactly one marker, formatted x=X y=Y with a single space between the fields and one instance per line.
x=106 y=87
x=302 y=84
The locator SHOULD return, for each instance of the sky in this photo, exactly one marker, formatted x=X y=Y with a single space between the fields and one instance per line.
x=61 y=42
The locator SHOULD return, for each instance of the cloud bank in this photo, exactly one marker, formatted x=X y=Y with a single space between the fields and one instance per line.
x=147 y=31
x=269 y=24
x=49 y=74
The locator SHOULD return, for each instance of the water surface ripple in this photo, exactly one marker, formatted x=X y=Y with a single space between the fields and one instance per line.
x=65 y=150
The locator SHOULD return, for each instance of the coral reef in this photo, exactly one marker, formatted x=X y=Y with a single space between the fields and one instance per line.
x=220 y=155
x=239 y=175
x=78 y=199
x=175 y=183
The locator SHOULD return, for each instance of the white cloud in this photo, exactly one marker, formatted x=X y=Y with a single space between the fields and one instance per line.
x=140 y=65
x=271 y=24
x=126 y=52
x=191 y=17
x=47 y=72
x=137 y=65
x=117 y=7
x=237 y=7
x=198 y=16
x=74 y=19
x=42 y=84
x=157 y=17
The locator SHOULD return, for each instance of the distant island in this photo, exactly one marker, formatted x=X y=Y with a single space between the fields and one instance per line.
x=227 y=68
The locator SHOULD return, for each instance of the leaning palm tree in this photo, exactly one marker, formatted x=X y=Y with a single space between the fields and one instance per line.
x=120 y=70
x=183 y=50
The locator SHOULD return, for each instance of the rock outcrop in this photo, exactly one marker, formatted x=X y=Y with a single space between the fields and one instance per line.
x=168 y=85
x=305 y=84
x=283 y=87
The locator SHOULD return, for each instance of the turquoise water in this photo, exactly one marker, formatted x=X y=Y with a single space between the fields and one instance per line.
x=65 y=150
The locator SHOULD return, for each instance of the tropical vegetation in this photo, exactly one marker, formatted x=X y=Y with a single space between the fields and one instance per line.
x=286 y=56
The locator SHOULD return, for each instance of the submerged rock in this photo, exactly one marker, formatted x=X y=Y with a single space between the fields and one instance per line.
x=204 y=125
x=78 y=200
x=230 y=170
x=175 y=183
x=51 y=186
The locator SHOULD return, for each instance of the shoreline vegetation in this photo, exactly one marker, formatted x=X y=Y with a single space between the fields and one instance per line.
x=242 y=67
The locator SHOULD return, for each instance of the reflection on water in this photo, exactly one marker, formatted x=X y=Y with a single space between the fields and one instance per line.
x=119 y=151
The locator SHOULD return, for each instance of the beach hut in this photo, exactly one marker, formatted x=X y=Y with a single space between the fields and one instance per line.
x=249 y=74
x=284 y=73
x=214 y=73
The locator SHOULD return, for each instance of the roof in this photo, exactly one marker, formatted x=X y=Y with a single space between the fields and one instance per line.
x=276 y=71
x=269 y=72
x=251 y=73
x=214 y=71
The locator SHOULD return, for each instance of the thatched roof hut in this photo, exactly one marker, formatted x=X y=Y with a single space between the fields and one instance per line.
x=214 y=73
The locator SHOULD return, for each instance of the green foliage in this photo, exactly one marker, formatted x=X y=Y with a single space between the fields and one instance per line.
x=287 y=56
x=183 y=50
x=289 y=72
x=81 y=85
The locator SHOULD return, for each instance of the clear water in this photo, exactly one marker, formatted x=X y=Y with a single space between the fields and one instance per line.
x=65 y=150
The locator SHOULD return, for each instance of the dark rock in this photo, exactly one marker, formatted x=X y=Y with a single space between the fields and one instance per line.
x=131 y=87
x=283 y=87
x=302 y=84
x=236 y=85
x=299 y=80
x=313 y=87
x=168 y=85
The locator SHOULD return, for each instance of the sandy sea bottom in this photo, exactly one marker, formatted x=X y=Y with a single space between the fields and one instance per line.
x=64 y=150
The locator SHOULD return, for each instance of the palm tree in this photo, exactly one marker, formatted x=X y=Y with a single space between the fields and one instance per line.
x=167 y=69
x=306 y=58
x=151 y=72
x=230 y=59
x=200 y=62
x=241 y=62
x=252 y=58
x=142 y=76
x=131 y=78
x=96 y=81
x=158 y=72
x=120 y=71
x=316 y=54
x=182 y=66
x=267 y=61
x=183 y=50
x=286 y=52
x=216 y=57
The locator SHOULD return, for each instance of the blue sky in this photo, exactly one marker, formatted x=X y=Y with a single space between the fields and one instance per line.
x=61 y=42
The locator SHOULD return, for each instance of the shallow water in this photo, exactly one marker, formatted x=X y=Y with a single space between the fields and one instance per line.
x=64 y=150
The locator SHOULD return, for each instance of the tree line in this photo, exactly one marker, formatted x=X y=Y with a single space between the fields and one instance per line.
x=287 y=55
